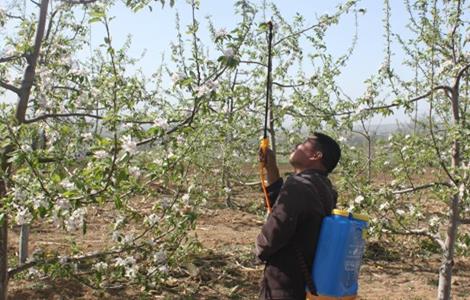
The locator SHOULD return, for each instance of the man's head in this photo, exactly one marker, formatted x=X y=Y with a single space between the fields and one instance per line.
x=317 y=152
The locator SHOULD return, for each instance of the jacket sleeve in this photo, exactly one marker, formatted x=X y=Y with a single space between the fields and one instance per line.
x=281 y=223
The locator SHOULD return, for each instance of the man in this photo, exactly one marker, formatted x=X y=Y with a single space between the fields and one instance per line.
x=288 y=239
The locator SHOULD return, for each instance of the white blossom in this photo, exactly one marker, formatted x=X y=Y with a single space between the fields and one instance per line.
x=124 y=262
x=286 y=105
x=63 y=259
x=412 y=209
x=171 y=155
x=119 y=221
x=131 y=272
x=212 y=85
x=116 y=236
x=229 y=53
x=341 y=139
x=127 y=126
x=26 y=148
x=66 y=184
x=76 y=220
x=227 y=190
x=202 y=90
x=359 y=199
x=160 y=257
x=63 y=204
x=33 y=272
x=100 y=154
x=160 y=122
x=400 y=212
x=384 y=206
x=185 y=198
x=165 y=202
x=447 y=64
x=152 y=219
x=180 y=139
x=152 y=270
x=100 y=266
x=222 y=32
x=80 y=155
x=129 y=145
x=177 y=76
x=163 y=269
x=433 y=221
x=23 y=216
x=19 y=194
x=128 y=238
x=135 y=171
x=130 y=260
x=39 y=202
x=120 y=262
x=88 y=136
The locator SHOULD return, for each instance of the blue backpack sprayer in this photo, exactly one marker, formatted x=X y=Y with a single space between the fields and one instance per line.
x=340 y=247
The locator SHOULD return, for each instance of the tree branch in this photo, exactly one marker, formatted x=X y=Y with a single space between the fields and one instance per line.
x=80 y=1
x=421 y=232
x=10 y=87
x=30 y=70
x=253 y=62
x=288 y=85
x=10 y=58
x=48 y=116
x=295 y=34
x=440 y=87
x=14 y=17
x=195 y=39
x=13 y=271
x=465 y=221
x=460 y=74
x=420 y=187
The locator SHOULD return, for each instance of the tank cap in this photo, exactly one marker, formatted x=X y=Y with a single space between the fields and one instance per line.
x=360 y=217
x=340 y=212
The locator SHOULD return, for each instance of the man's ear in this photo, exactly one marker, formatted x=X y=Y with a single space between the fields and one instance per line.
x=317 y=155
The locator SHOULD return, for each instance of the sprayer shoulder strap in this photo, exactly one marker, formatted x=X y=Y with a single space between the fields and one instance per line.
x=305 y=270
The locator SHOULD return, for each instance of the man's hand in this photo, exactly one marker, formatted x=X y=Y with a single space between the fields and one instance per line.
x=268 y=160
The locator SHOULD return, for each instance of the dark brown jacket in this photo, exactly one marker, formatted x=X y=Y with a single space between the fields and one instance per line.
x=297 y=212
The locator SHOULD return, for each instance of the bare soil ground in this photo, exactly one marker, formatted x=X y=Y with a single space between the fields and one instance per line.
x=226 y=268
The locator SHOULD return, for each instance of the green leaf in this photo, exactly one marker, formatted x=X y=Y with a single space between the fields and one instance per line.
x=263 y=27
x=117 y=202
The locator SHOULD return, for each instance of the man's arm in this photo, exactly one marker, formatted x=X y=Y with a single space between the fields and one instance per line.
x=281 y=223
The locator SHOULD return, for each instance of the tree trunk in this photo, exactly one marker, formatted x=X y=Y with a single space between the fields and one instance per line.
x=25 y=90
x=3 y=233
x=3 y=254
x=445 y=271
x=24 y=240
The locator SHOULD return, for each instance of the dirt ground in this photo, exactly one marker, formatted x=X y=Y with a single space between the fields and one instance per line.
x=226 y=268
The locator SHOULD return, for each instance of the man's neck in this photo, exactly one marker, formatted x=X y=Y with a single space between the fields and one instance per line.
x=300 y=170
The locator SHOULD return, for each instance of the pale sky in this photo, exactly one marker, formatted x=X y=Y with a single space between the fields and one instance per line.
x=154 y=30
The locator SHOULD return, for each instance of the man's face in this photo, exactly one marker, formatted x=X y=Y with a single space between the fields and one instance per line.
x=303 y=153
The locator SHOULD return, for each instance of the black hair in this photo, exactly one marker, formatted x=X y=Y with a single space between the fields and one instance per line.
x=331 y=152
